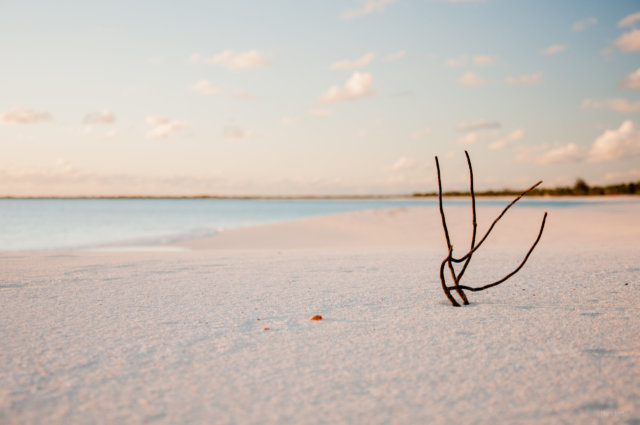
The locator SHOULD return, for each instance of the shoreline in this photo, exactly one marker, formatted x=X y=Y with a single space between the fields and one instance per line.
x=333 y=197
x=398 y=226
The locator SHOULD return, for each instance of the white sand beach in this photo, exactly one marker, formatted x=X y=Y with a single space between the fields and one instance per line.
x=216 y=331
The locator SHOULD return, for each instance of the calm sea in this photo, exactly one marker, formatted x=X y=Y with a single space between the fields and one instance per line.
x=36 y=224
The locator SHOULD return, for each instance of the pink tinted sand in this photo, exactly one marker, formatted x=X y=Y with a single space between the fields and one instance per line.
x=178 y=337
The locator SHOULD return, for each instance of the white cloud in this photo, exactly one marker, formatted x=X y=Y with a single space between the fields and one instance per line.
x=23 y=116
x=618 y=105
x=419 y=134
x=632 y=81
x=403 y=163
x=64 y=167
x=205 y=88
x=553 y=49
x=469 y=138
x=629 y=42
x=366 y=7
x=457 y=62
x=629 y=20
x=611 y=145
x=480 y=60
x=584 y=24
x=484 y=60
x=478 y=125
x=358 y=85
x=524 y=80
x=104 y=118
x=239 y=60
x=515 y=135
x=395 y=56
x=615 y=144
x=162 y=127
x=63 y=178
x=470 y=79
x=99 y=118
x=623 y=176
x=350 y=65
x=289 y=121
x=235 y=133
x=570 y=152
x=195 y=58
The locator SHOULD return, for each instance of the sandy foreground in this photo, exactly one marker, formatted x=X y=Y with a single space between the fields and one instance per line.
x=218 y=333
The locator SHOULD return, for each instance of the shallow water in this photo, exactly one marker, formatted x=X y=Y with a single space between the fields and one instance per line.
x=36 y=224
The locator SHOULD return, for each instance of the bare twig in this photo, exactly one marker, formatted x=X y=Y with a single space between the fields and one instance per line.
x=461 y=259
x=526 y=257
x=444 y=220
x=475 y=223
x=446 y=234
x=449 y=259
x=446 y=290
x=456 y=281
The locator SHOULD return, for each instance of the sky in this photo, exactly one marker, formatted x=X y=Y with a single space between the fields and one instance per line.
x=332 y=97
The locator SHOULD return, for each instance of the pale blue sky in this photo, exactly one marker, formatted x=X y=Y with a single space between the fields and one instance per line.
x=324 y=97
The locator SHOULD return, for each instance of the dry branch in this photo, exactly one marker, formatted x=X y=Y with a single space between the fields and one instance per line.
x=446 y=234
x=449 y=259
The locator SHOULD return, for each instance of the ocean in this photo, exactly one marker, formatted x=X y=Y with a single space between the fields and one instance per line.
x=42 y=224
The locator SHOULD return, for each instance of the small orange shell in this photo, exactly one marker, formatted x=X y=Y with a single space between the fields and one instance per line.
x=316 y=317
x=266 y=329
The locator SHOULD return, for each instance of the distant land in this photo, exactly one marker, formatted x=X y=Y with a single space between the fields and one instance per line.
x=580 y=188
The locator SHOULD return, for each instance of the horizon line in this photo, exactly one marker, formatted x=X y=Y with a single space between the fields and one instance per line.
x=580 y=188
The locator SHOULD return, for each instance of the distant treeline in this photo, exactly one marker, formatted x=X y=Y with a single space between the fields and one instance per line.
x=580 y=188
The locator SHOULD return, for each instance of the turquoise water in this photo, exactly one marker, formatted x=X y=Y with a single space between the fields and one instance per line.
x=36 y=224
